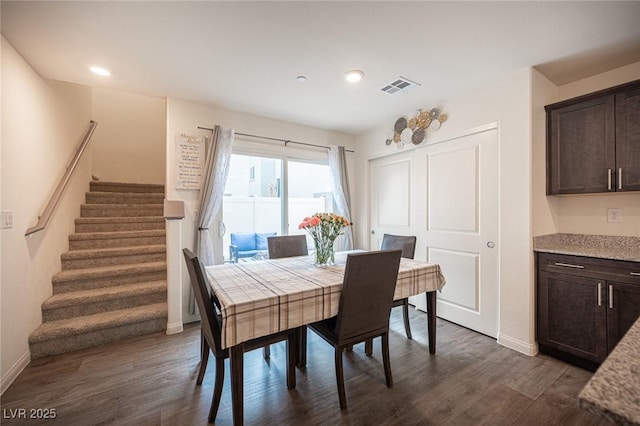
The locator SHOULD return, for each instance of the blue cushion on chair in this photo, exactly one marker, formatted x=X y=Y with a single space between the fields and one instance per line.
x=244 y=240
x=261 y=240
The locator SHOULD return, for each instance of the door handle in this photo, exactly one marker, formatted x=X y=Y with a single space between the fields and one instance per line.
x=569 y=265
x=610 y=296
x=620 y=178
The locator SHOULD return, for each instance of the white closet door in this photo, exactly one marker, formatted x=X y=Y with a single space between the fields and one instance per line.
x=447 y=195
x=392 y=197
x=461 y=227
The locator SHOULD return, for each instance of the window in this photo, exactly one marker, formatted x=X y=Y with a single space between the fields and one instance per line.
x=255 y=201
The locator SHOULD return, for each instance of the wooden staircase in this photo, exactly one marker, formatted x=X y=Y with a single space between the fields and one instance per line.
x=113 y=280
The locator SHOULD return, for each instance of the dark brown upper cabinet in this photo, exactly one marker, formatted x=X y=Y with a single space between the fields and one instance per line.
x=593 y=142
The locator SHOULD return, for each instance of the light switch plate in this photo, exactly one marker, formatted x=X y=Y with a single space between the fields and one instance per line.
x=7 y=219
x=614 y=215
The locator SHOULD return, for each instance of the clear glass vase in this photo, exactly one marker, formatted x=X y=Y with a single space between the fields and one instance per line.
x=325 y=254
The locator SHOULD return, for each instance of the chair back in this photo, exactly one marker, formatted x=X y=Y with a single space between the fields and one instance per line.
x=406 y=243
x=362 y=310
x=211 y=322
x=287 y=246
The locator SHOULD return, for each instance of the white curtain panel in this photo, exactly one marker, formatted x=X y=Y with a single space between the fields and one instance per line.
x=340 y=184
x=214 y=179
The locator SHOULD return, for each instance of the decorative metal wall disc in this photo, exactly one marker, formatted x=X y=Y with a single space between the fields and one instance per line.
x=418 y=136
x=423 y=123
x=401 y=124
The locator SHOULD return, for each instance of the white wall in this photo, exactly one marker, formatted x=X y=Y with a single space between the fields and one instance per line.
x=544 y=208
x=42 y=124
x=130 y=146
x=187 y=116
x=507 y=102
x=587 y=214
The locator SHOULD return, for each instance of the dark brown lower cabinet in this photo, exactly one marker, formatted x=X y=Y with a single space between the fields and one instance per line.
x=584 y=306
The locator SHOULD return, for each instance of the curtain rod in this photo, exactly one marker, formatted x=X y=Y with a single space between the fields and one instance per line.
x=286 y=141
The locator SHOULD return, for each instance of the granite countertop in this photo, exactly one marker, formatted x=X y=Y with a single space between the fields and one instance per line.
x=601 y=246
x=614 y=390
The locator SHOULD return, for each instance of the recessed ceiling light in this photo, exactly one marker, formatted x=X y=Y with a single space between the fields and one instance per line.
x=100 y=71
x=354 y=76
x=301 y=79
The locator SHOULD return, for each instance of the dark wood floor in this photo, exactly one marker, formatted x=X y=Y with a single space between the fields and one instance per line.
x=151 y=381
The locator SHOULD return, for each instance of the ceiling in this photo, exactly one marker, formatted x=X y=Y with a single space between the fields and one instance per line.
x=245 y=56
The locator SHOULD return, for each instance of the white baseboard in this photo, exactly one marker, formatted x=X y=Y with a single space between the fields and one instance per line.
x=174 y=328
x=526 y=348
x=14 y=371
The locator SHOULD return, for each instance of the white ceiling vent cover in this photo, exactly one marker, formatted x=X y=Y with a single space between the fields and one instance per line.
x=399 y=85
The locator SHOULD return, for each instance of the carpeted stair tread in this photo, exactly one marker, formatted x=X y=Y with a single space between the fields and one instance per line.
x=129 y=206
x=62 y=300
x=111 y=210
x=119 y=223
x=131 y=219
x=91 y=323
x=108 y=271
x=78 y=236
x=116 y=251
x=102 y=186
x=124 y=198
x=96 y=257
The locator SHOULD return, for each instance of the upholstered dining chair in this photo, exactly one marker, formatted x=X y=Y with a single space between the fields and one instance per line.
x=362 y=314
x=211 y=323
x=289 y=246
x=407 y=244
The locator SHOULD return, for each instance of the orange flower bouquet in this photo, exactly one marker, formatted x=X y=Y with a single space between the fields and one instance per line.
x=324 y=228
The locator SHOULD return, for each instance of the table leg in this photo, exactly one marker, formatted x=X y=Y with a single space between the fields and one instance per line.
x=236 y=359
x=302 y=346
x=431 y=320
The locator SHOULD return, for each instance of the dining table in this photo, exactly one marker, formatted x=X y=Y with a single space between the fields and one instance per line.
x=263 y=297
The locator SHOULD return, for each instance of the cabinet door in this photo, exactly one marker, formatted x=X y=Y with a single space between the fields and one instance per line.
x=628 y=141
x=623 y=310
x=581 y=147
x=572 y=315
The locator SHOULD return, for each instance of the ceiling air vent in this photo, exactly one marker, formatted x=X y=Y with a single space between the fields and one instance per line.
x=399 y=85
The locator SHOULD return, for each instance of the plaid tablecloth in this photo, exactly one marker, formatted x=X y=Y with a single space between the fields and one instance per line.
x=267 y=296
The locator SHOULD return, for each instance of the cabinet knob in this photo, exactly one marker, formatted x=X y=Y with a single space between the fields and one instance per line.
x=491 y=244
x=373 y=232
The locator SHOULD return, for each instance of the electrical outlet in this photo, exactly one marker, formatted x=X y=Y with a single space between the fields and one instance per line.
x=7 y=219
x=614 y=215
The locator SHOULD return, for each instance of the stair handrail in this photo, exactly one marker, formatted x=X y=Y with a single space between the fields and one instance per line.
x=43 y=219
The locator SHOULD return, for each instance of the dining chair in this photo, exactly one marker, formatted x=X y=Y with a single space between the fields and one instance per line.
x=362 y=314
x=408 y=246
x=406 y=243
x=289 y=246
x=211 y=323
